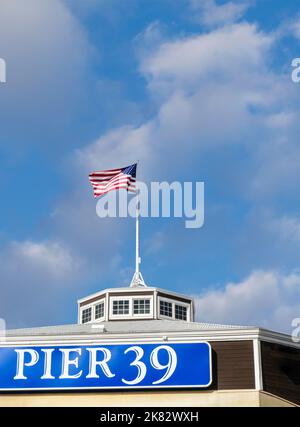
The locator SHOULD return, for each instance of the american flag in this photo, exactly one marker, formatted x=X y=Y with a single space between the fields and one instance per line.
x=113 y=179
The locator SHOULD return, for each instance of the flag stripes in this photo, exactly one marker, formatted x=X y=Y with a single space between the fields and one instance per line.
x=113 y=179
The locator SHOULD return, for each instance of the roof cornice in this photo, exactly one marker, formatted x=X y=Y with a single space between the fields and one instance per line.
x=201 y=335
x=129 y=290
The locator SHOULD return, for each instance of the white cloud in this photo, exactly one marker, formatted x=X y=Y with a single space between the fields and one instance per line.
x=212 y=14
x=219 y=88
x=228 y=53
x=51 y=258
x=265 y=298
x=210 y=89
x=119 y=147
x=197 y=81
x=34 y=277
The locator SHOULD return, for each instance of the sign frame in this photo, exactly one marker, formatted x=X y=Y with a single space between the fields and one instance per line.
x=104 y=343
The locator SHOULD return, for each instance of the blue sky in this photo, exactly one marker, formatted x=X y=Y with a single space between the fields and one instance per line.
x=197 y=90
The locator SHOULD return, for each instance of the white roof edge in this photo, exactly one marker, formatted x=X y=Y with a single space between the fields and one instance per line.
x=177 y=294
x=128 y=289
x=221 y=332
x=270 y=335
x=207 y=335
x=104 y=291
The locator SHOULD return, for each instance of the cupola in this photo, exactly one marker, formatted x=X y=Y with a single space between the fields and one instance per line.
x=135 y=303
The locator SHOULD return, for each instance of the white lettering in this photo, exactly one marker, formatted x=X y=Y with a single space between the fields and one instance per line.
x=47 y=364
x=170 y=366
x=34 y=357
x=141 y=367
x=72 y=359
x=67 y=362
x=93 y=362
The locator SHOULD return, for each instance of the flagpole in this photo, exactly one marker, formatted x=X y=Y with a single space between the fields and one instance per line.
x=137 y=279
x=137 y=237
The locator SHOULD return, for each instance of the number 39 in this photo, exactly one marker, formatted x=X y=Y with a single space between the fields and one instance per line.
x=170 y=366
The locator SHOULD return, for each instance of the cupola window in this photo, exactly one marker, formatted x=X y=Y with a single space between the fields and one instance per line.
x=166 y=309
x=99 y=310
x=141 y=306
x=87 y=315
x=120 y=307
x=180 y=312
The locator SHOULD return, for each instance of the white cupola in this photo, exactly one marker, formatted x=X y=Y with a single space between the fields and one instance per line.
x=135 y=303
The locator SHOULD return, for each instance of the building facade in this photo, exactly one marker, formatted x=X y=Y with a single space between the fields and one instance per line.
x=172 y=360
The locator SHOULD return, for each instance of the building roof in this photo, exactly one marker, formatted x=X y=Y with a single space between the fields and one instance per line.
x=144 y=331
x=122 y=327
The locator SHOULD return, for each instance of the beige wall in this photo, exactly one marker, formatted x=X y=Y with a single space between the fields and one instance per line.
x=174 y=398
x=267 y=399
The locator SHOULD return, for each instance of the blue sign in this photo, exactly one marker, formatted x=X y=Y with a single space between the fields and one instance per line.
x=106 y=366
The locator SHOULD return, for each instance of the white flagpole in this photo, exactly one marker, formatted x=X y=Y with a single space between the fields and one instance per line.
x=137 y=279
x=137 y=237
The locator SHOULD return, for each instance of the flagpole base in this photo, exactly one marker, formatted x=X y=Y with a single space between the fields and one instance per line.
x=137 y=280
